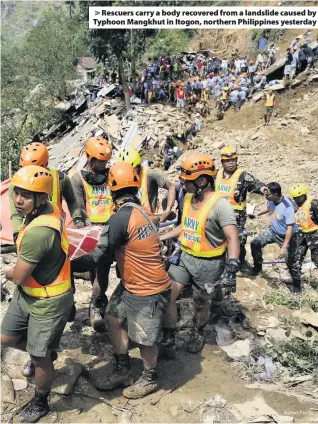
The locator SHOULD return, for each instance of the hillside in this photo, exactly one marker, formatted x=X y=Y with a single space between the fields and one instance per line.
x=17 y=17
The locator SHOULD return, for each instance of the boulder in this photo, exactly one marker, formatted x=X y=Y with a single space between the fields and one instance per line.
x=67 y=371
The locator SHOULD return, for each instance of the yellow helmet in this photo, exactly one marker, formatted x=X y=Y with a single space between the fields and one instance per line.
x=228 y=152
x=298 y=190
x=129 y=155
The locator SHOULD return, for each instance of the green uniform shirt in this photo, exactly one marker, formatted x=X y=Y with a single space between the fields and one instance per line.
x=221 y=215
x=42 y=246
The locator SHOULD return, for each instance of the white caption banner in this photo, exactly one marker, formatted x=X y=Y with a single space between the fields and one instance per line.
x=202 y=17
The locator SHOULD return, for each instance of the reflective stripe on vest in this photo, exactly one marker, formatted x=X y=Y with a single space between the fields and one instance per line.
x=62 y=283
x=226 y=187
x=269 y=100
x=56 y=195
x=99 y=202
x=143 y=194
x=193 y=239
x=303 y=218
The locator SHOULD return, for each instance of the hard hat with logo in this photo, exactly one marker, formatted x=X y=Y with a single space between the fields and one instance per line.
x=122 y=175
x=98 y=148
x=197 y=164
x=33 y=178
x=129 y=155
x=298 y=190
x=34 y=154
x=228 y=152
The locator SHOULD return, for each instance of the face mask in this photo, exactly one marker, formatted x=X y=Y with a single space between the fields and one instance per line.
x=95 y=179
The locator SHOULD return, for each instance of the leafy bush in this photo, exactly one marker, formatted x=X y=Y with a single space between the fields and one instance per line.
x=168 y=42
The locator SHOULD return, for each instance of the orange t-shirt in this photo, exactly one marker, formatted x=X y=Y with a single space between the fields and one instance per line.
x=138 y=254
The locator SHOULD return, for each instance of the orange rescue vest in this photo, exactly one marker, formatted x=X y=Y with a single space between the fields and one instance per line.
x=99 y=202
x=62 y=283
x=143 y=194
x=226 y=187
x=303 y=218
x=193 y=239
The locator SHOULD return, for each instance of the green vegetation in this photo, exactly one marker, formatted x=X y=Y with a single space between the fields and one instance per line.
x=168 y=41
x=285 y=298
x=272 y=36
x=299 y=355
x=35 y=69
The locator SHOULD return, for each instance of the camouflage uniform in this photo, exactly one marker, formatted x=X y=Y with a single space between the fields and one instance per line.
x=246 y=184
x=310 y=240
x=292 y=257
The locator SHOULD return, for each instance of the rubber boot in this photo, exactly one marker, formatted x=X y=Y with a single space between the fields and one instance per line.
x=167 y=346
x=296 y=287
x=121 y=374
x=245 y=266
x=253 y=272
x=97 y=309
x=28 y=368
x=145 y=385
x=196 y=342
x=36 y=409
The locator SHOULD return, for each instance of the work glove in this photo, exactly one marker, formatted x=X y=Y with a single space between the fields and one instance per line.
x=228 y=278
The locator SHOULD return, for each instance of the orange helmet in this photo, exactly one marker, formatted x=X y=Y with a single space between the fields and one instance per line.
x=98 y=148
x=34 y=154
x=228 y=152
x=122 y=175
x=33 y=178
x=196 y=165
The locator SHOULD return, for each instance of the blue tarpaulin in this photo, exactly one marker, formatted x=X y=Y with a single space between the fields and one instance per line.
x=262 y=43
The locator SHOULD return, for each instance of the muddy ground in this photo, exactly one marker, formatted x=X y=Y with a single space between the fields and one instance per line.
x=210 y=386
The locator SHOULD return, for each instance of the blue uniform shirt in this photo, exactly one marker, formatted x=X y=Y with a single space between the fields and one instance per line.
x=282 y=215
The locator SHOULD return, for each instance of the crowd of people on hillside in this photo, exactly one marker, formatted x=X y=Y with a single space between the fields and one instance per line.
x=299 y=57
x=227 y=80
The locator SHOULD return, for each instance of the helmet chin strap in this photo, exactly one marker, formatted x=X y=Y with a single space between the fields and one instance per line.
x=199 y=189
x=36 y=210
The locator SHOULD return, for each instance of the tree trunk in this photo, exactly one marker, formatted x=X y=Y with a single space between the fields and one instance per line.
x=123 y=79
x=133 y=61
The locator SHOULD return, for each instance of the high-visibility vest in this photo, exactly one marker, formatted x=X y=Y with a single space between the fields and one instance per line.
x=143 y=194
x=193 y=239
x=99 y=202
x=226 y=187
x=56 y=198
x=303 y=218
x=224 y=95
x=204 y=97
x=62 y=283
x=269 y=100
